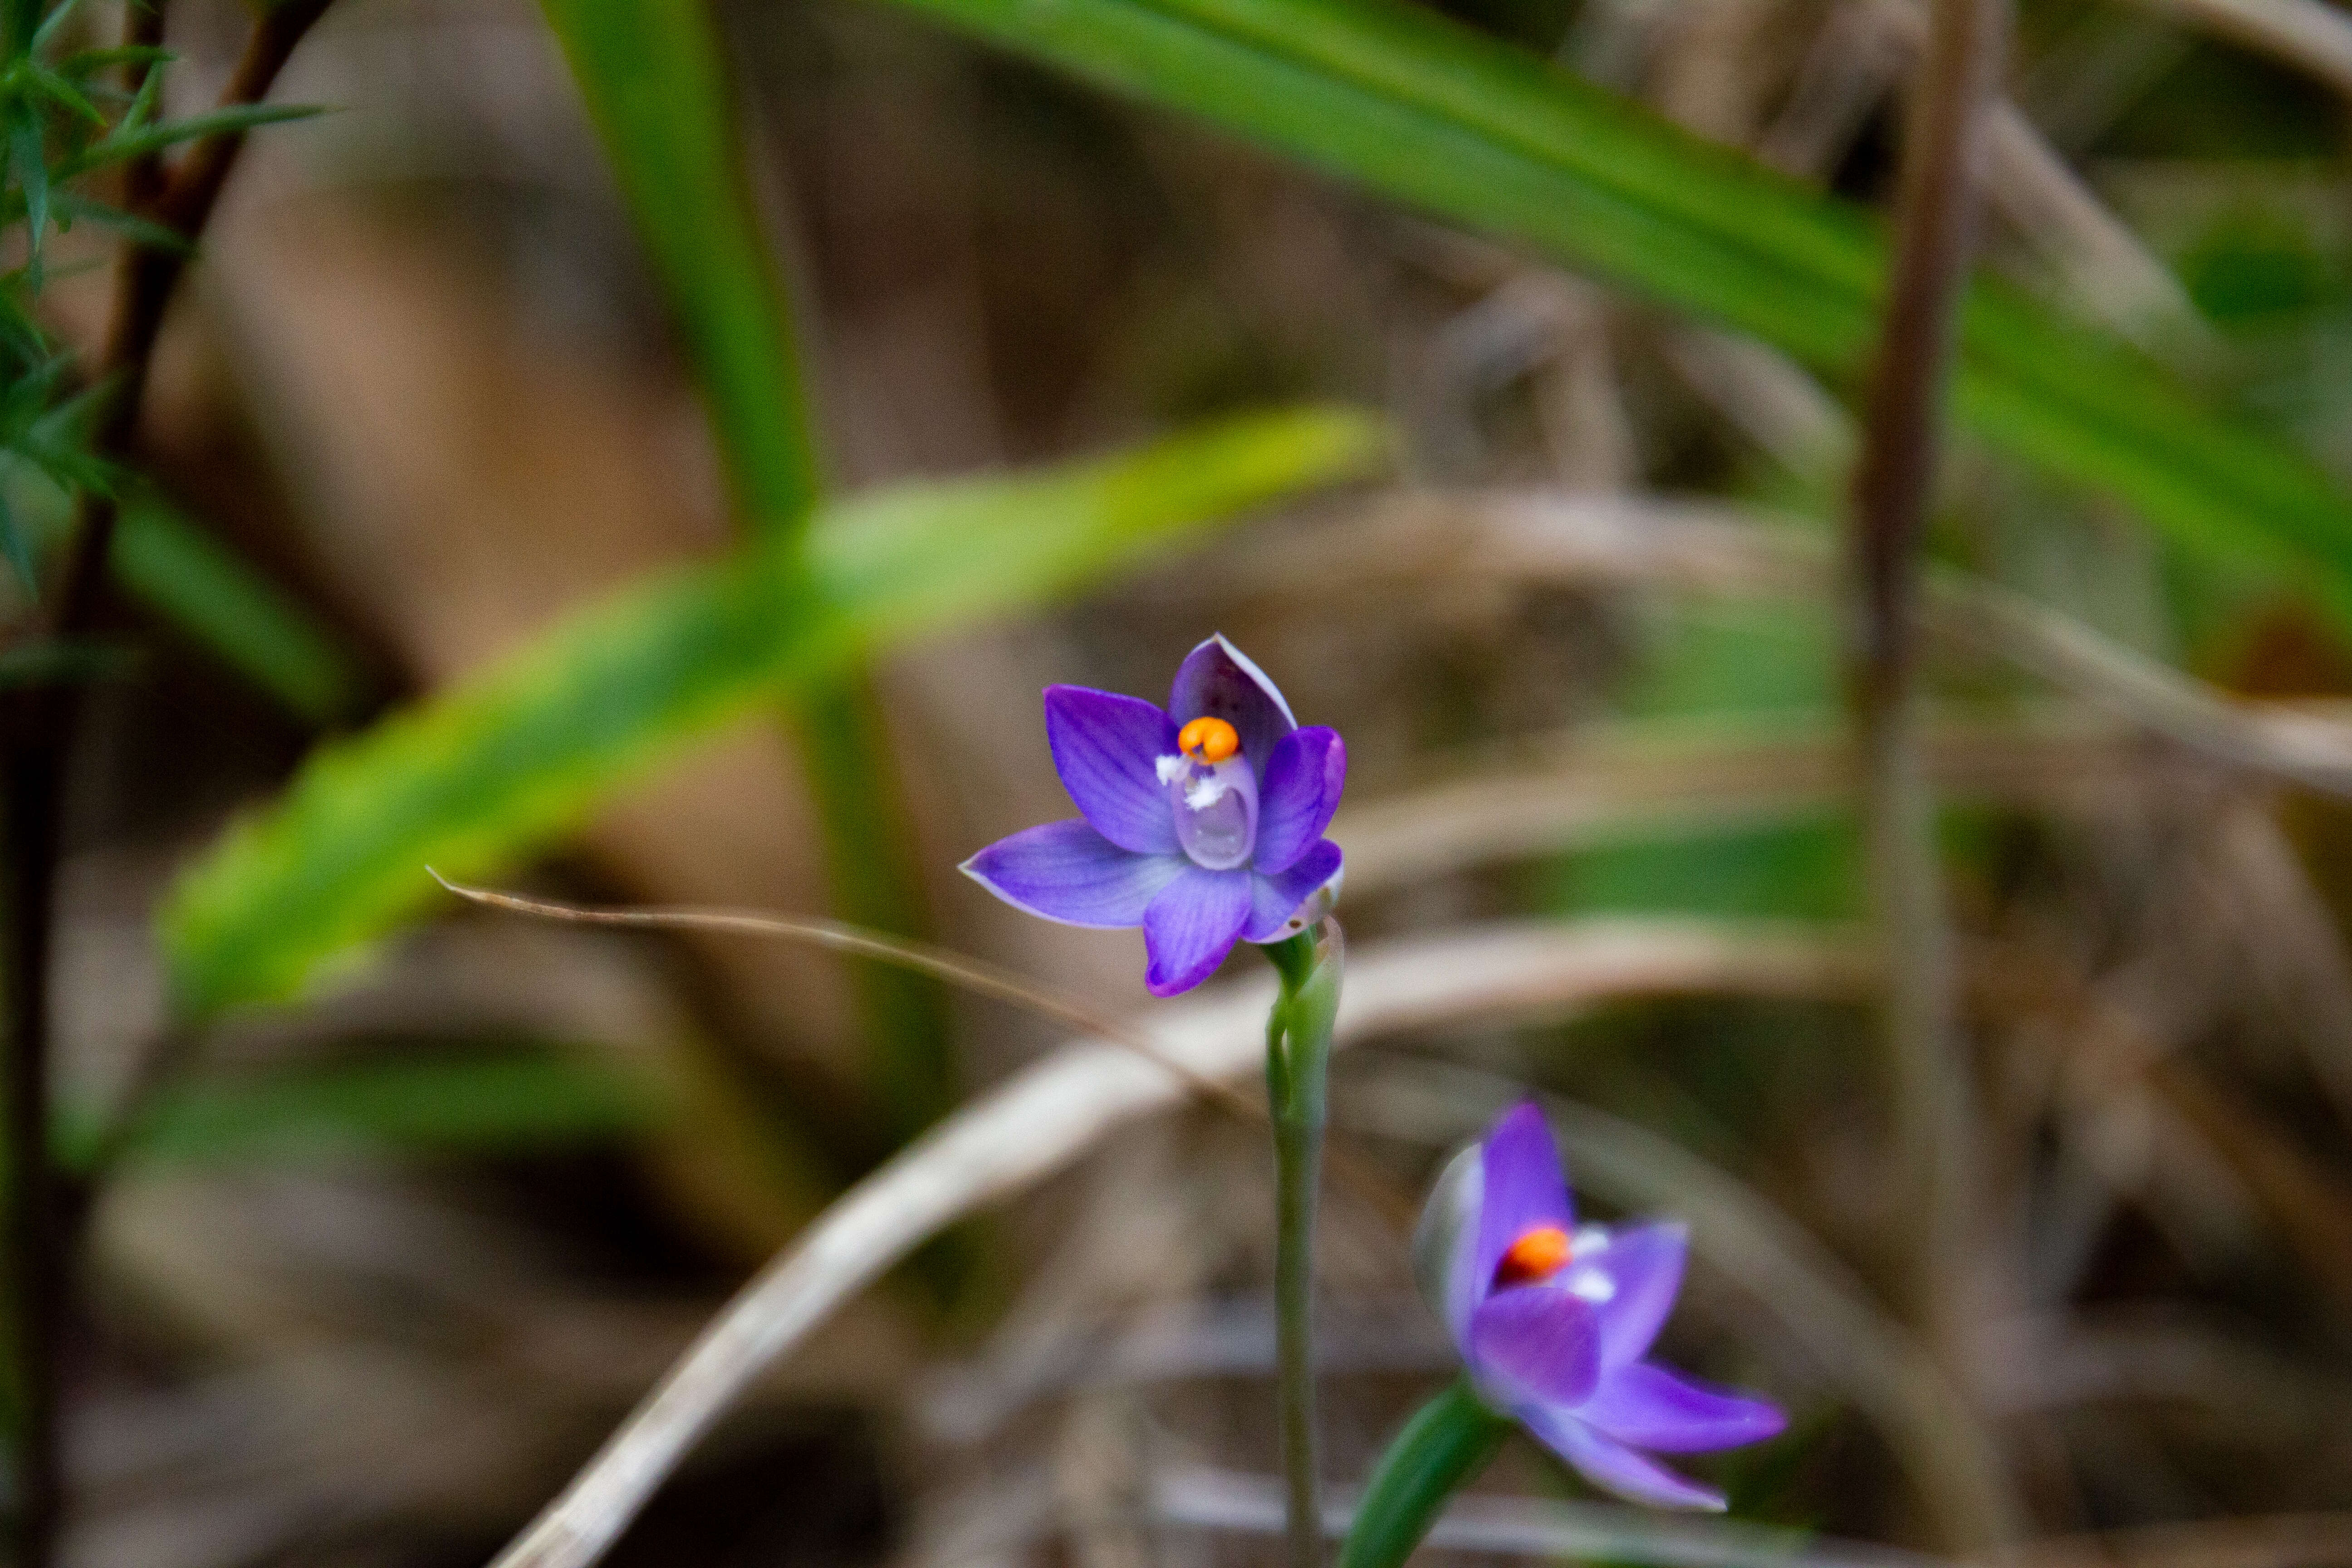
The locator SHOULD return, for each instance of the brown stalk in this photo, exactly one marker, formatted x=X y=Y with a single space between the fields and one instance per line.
x=38 y=731
x=1893 y=485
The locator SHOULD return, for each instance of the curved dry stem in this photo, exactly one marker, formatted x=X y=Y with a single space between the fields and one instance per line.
x=1049 y=1113
x=840 y=936
x=950 y=968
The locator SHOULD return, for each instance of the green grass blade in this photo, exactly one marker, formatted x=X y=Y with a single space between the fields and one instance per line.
x=469 y=782
x=653 y=76
x=1429 y=112
x=874 y=878
x=485 y=1105
x=655 y=84
x=1447 y=1444
x=216 y=598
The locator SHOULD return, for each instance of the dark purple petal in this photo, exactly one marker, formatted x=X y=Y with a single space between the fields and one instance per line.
x=1273 y=900
x=1066 y=871
x=1218 y=681
x=1303 y=778
x=1525 y=1186
x=1191 y=927
x=1652 y=1406
x=1613 y=1466
x=1108 y=750
x=1535 y=1343
x=1645 y=1266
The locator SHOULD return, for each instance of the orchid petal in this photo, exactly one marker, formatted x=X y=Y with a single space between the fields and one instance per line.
x=1644 y=1265
x=1302 y=777
x=1444 y=1245
x=1273 y=900
x=1535 y=1343
x=1655 y=1407
x=1066 y=871
x=1108 y=749
x=1217 y=680
x=1525 y=1186
x=1192 y=925
x=1613 y=1466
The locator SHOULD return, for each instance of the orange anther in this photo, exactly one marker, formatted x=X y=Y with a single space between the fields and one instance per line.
x=1208 y=739
x=1534 y=1257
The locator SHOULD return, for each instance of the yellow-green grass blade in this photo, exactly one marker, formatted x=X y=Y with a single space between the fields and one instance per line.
x=471 y=780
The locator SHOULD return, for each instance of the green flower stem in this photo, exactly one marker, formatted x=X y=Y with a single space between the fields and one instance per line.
x=1297 y=1055
x=1445 y=1444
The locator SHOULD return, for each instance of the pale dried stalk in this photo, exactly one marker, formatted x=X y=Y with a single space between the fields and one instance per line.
x=2308 y=33
x=1048 y=1114
x=1220 y=1499
x=1862 y=51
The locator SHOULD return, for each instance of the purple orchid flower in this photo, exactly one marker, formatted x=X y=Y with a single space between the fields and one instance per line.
x=1555 y=1322
x=1202 y=823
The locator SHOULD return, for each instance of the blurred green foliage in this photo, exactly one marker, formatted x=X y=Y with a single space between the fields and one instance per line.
x=652 y=77
x=467 y=781
x=482 y=1103
x=1479 y=131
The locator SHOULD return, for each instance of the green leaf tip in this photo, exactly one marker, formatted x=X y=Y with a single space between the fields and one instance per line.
x=1443 y=1448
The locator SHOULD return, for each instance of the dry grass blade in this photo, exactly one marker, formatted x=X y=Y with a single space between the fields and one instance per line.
x=2308 y=33
x=1215 y=1499
x=1593 y=1532
x=1644 y=777
x=2277 y=1541
x=1702 y=547
x=2104 y=264
x=1044 y=1116
x=2290 y=942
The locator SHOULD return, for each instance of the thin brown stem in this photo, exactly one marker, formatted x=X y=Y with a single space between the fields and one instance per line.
x=1893 y=485
x=949 y=968
x=37 y=727
x=182 y=202
x=37 y=1286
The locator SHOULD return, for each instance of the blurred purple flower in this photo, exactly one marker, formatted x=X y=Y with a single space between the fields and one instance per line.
x=1202 y=823
x=1555 y=1322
